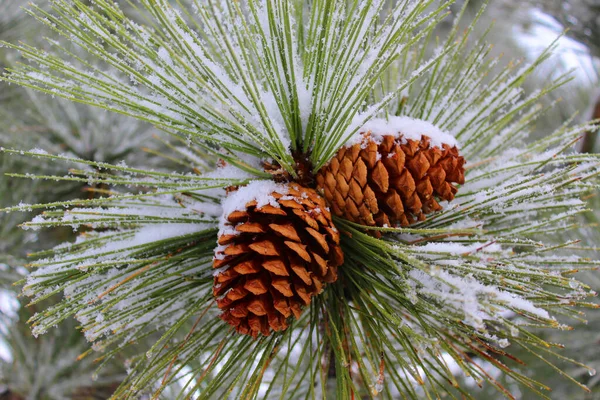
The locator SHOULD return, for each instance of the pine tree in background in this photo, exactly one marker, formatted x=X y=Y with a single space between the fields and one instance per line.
x=11 y=22
x=579 y=16
x=37 y=368
x=47 y=367
x=276 y=90
x=14 y=21
x=578 y=99
x=577 y=20
x=582 y=19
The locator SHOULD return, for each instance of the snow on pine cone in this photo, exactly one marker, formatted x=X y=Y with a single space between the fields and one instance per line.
x=392 y=180
x=278 y=247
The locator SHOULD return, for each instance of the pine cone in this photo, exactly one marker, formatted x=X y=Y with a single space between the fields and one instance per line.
x=392 y=183
x=274 y=257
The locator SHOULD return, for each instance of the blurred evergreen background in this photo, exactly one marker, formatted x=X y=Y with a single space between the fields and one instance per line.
x=48 y=367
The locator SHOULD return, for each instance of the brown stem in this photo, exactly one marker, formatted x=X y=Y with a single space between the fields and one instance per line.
x=303 y=168
x=591 y=137
x=8 y=395
x=331 y=371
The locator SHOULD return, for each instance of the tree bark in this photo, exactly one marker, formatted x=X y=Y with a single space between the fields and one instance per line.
x=8 y=395
x=591 y=137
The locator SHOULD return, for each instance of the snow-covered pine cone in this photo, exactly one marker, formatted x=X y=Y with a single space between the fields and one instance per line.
x=390 y=180
x=278 y=248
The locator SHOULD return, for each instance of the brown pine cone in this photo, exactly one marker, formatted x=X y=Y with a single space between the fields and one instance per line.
x=273 y=256
x=392 y=183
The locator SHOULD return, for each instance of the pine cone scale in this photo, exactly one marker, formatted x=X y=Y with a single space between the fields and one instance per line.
x=302 y=273
x=276 y=266
x=258 y=285
x=249 y=228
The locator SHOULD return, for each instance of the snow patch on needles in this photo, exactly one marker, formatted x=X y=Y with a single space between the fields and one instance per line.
x=38 y=151
x=459 y=249
x=470 y=298
x=113 y=263
x=229 y=172
x=404 y=128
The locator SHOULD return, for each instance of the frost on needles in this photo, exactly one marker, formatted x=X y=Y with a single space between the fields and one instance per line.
x=286 y=85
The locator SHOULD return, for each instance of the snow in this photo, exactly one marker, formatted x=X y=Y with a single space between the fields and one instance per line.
x=259 y=191
x=38 y=151
x=9 y=306
x=458 y=249
x=405 y=128
x=466 y=295
x=537 y=37
x=229 y=171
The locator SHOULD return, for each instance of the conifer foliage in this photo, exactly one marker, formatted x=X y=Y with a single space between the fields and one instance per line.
x=276 y=89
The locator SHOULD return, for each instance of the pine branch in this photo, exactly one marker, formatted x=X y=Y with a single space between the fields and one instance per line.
x=255 y=85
